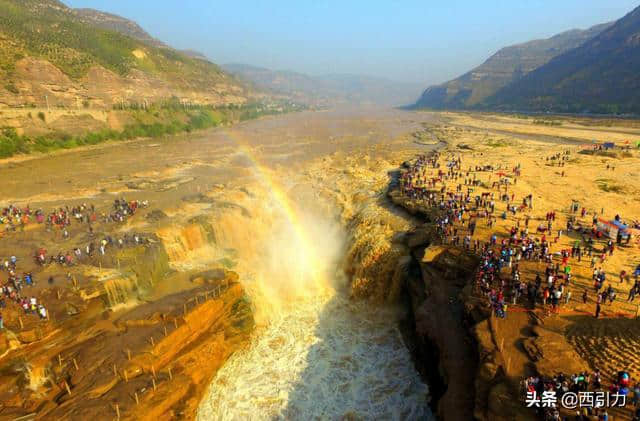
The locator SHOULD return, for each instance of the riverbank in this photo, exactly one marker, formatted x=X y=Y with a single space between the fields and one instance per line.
x=451 y=343
x=26 y=131
x=451 y=318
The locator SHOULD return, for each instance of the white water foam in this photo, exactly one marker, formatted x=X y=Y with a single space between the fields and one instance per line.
x=323 y=357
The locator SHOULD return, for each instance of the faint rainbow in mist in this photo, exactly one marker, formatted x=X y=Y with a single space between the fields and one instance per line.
x=282 y=199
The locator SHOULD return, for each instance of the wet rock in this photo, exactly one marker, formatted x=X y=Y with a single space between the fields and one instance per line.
x=399 y=279
x=247 y=192
x=4 y=343
x=229 y=205
x=216 y=276
x=103 y=387
x=227 y=262
x=29 y=336
x=171 y=184
x=179 y=340
x=140 y=323
x=421 y=237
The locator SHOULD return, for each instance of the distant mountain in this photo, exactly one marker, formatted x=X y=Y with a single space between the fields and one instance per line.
x=363 y=89
x=52 y=54
x=600 y=76
x=327 y=89
x=503 y=68
x=296 y=85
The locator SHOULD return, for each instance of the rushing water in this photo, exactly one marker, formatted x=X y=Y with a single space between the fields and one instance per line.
x=316 y=354
x=323 y=357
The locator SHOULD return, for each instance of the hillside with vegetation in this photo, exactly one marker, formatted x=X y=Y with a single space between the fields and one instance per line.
x=501 y=69
x=117 y=23
x=46 y=131
x=79 y=77
x=600 y=76
x=127 y=27
x=55 y=56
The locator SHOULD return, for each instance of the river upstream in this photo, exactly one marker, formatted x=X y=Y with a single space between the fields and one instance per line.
x=315 y=354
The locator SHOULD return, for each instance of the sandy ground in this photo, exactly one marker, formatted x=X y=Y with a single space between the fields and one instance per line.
x=566 y=128
x=605 y=184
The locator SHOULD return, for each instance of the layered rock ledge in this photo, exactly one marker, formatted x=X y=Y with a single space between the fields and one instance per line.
x=153 y=361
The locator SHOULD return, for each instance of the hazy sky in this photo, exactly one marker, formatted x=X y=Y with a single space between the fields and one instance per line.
x=419 y=41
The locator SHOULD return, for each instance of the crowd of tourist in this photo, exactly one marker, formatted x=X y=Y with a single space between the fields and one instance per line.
x=79 y=254
x=14 y=290
x=450 y=191
x=14 y=217
x=16 y=287
x=458 y=213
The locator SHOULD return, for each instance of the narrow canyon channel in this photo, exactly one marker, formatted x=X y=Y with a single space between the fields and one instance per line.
x=316 y=354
